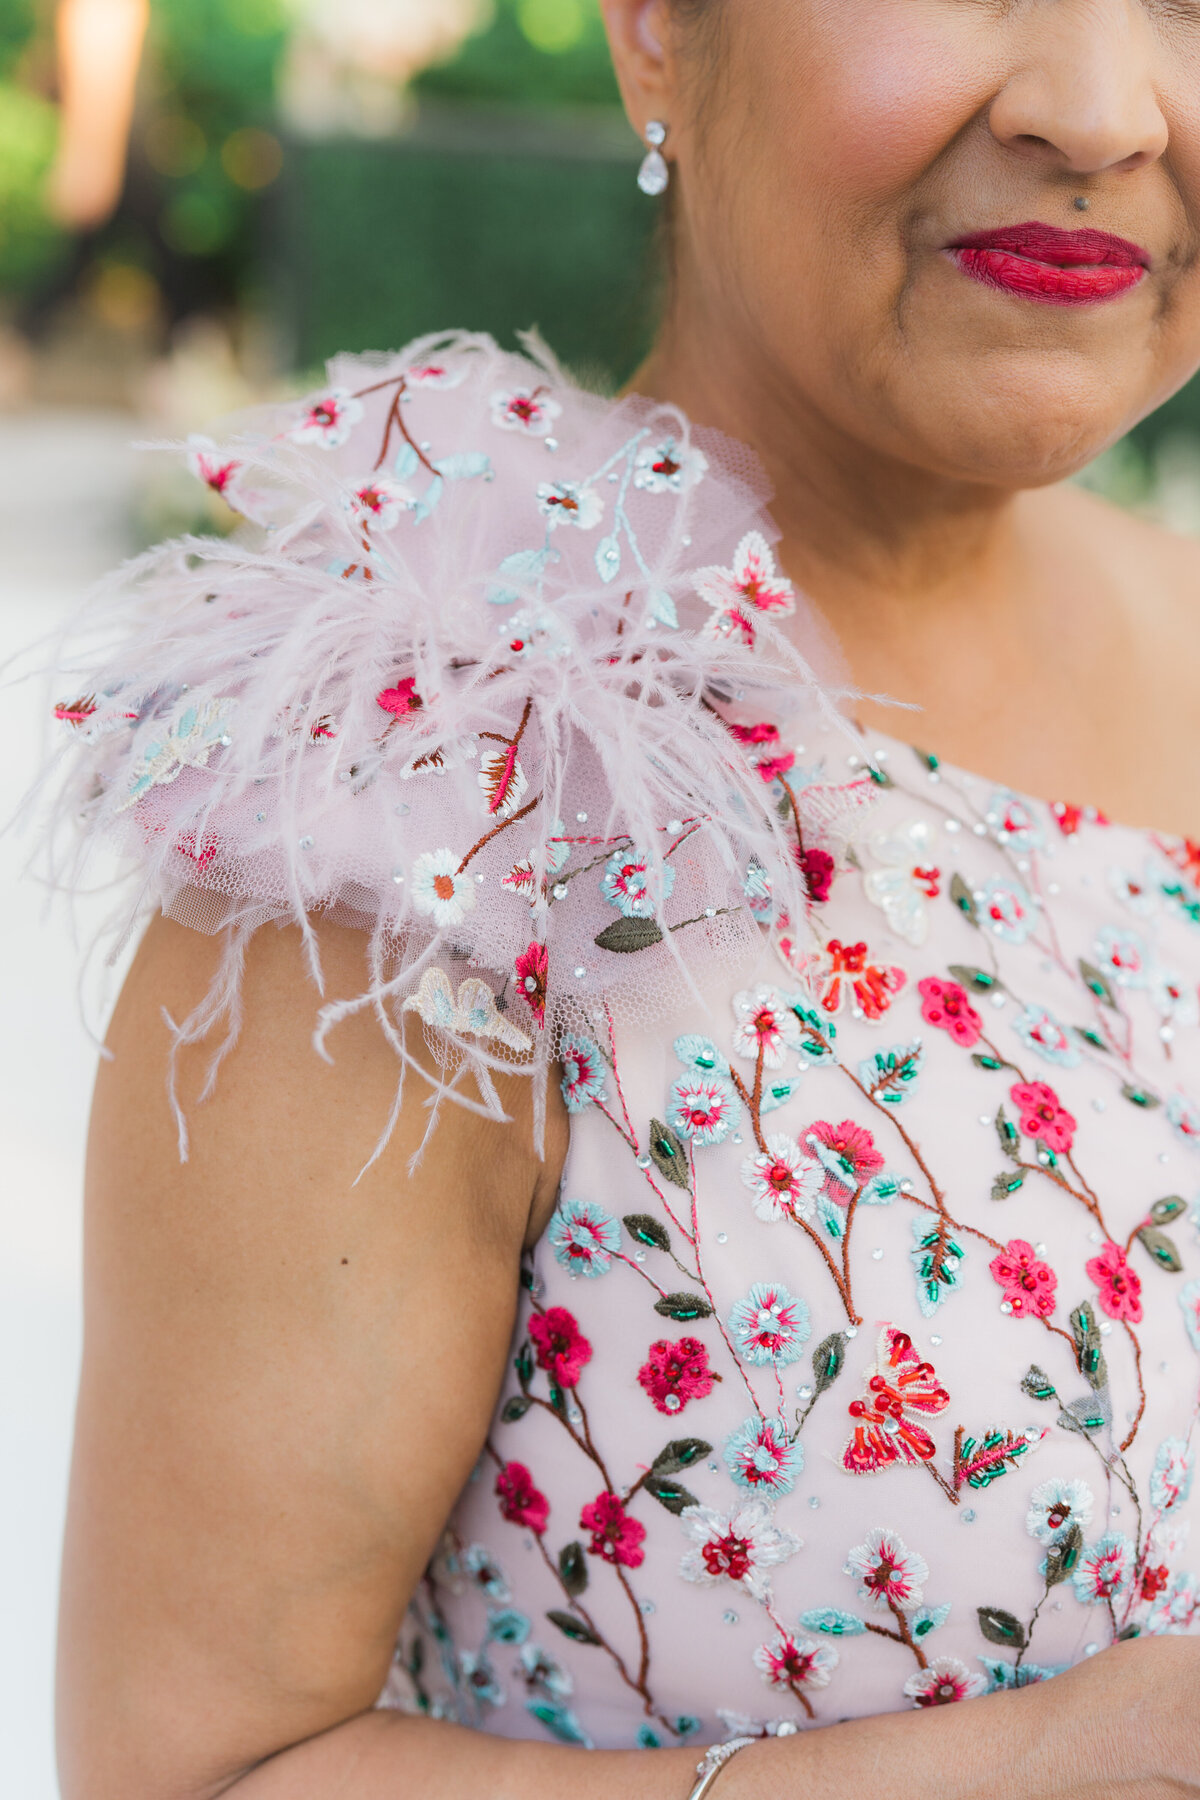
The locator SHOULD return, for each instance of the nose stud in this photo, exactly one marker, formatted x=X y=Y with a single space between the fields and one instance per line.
x=1082 y=203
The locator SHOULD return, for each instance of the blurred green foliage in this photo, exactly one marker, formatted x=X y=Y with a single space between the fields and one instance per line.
x=534 y=53
x=30 y=243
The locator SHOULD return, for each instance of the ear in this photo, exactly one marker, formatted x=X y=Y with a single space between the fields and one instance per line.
x=641 y=35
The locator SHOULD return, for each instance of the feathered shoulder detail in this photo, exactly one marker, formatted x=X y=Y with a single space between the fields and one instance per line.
x=468 y=676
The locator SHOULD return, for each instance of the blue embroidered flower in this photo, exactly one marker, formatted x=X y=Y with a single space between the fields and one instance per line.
x=1056 y=1507
x=760 y=1457
x=583 y=1237
x=543 y=1675
x=1172 y=1475
x=1105 y=1569
x=770 y=1326
x=1012 y=822
x=1184 y=1116
x=1189 y=1299
x=479 y=1679
x=1041 y=1032
x=583 y=1072
x=702 y=1108
x=1007 y=909
x=1124 y=956
x=482 y=1568
x=756 y=887
x=629 y=883
x=508 y=1626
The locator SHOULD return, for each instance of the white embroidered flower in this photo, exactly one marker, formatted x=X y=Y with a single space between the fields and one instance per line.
x=784 y=1180
x=186 y=741
x=438 y=890
x=1105 y=1569
x=329 y=420
x=766 y=1025
x=1055 y=1507
x=751 y=590
x=741 y=1546
x=528 y=410
x=472 y=1012
x=945 y=1681
x=891 y=1574
x=669 y=467
x=1172 y=1475
x=907 y=879
x=210 y=465
x=536 y=631
x=792 y=1663
x=437 y=374
x=379 y=503
x=1138 y=892
x=569 y=503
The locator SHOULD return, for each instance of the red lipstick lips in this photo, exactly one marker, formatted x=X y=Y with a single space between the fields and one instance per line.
x=1043 y=262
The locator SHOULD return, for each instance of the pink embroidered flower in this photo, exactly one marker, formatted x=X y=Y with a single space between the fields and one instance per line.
x=740 y=1546
x=768 y=755
x=1154 y=1581
x=533 y=968
x=1028 y=1284
x=212 y=470
x=562 y=1349
x=673 y=1374
x=520 y=1501
x=943 y=1682
x=379 y=504
x=785 y=1182
x=1043 y=1116
x=401 y=699
x=848 y=1155
x=762 y=733
x=615 y=1536
x=766 y=1027
x=889 y=1572
x=795 y=1663
x=329 y=420
x=945 y=1004
x=770 y=768
x=1119 y=1286
x=750 y=590
x=817 y=868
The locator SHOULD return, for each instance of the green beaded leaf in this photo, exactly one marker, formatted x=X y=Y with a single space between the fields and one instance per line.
x=964 y=899
x=1062 y=1558
x=683 y=1308
x=574 y=1628
x=932 y=763
x=647 y=1231
x=1091 y=1038
x=1000 y=1627
x=1098 y=983
x=680 y=1453
x=1006 y=1131
x=879 y=776
x=625 y=936
x=829 y=1359
x=667 y=1150
x=1163 y=1211
x=669 y=1494
x=516 y=1408
x=572 y=1567
x=978 y=980
x=523 y=1363
x=1089 y=1352
x=1006 y=1185
x=1161 y=1247
x=1140 y=1097
x=1038 y=1385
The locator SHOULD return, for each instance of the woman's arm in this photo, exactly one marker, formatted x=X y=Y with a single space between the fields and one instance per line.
x=287 y=1380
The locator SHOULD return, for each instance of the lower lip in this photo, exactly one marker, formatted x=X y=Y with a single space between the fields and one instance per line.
x=1085 y=285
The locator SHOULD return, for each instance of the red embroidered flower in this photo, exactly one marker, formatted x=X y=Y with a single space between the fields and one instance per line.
x=401 y=699
x=677 y=1373
x=1028 y=1284
x=533 y=967
x=562 y=1349
x=945 y=1004
x=817 y=867
x=756 y=734
x=848 y=1155
x=615 y=1536
x=521 y=1502
x=1119 y=1286
x=1043 y=1116
x=1154 y=1581
x=772 y=767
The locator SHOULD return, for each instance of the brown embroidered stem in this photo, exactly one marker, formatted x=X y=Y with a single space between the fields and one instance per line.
x=395 y=418
x=906 y=1636
x=581 y=1612
x=643 y=1639
x=504 y=824
x=798 y=1693
x=947 y=1487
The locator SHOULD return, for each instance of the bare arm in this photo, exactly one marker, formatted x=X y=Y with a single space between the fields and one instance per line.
x=287 y=1380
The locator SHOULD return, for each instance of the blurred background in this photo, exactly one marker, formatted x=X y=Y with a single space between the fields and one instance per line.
x=200 y=200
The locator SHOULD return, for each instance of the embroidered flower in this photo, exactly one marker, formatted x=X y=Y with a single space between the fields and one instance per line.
x=440 y=890
x=562 y=1350
x=675 y=1373
x=1172 y=998
x=702 y=1108
x=615 y=1536
x=1012 y=822
x=1177 y=1609
x=583 y=1072
x=1154 y=1581
x=1041 y=1032
x=1124 y=956
x=818 y=869
x=635 y=888
x=848 y=1154
x=1028 y=1284
x=844 y=974
x=759 y=1456
x=784 y=1181
x=328 y=421
x=793 y=1663
x=401 y=699
x=1005 y=908
x=907 y=880
x=532 y=970
x=741 y=1546
x=752 y=589
x=520 y=1501
x=1138 y=892
x=209 y=465
x=1183 y=1115
x=770 y=1326
x=186 y=741
x=1189 y=1299
x=478 y=1678
x=380 y=503
x=1119 y=1286
x=1105 y=1569
x=889 y=1572
x=542 y=1675
x=669 y=467
x=583 y=1237
x=945 y=1681
x=1172 y=1475
x=766 y=1027
x=945 y=1004
x=485 y=1573
x=1043 y=1116
x=528 y=410
x=1056 y=1507
x=567 y=503
x=472 y=1012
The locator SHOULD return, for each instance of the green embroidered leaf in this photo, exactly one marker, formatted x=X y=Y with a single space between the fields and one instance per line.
x=1097 y=983
x=680 y=1453
x=1091 y=1038
x=1006 y=1185
x=983 y=1461
x=625 y=936
x=523 y=1363
x=558 y=1399
x=833 y=1622
x=964 y=899
x=932 y=763
x=978 y=980
x=1163 y=1211
x=829 y=1359
x=990 y=1063
x=1062 y=1558
x=669 y=1494
x=527 y=1280
x=1038 y=1385
x=572 y=1566
x=1084 y=1416
x=1161 y=1247
x=1006 y=1131
x=647 y=1231
x=516 y=1408
x=1089 y=1352
x=683 y=1308
x=1139 y=1097
x=670 y=1157
x=879 y=776
x=574 y=1628
x=1130 y=1631
x=1000 y=1627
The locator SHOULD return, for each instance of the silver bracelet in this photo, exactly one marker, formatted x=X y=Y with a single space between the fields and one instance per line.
x=714 y=1761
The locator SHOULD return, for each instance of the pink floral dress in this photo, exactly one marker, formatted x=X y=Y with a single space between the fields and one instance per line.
x=859 y=1366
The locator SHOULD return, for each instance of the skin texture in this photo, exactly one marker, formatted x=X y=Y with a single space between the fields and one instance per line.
x=278 y=1406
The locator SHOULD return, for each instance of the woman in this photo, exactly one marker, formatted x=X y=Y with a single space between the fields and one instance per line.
x=868 y=1144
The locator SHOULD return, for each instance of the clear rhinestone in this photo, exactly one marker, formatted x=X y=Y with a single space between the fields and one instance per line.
x=551 y=443
x=979 y=830
x=935 y=1339
x=877 y=1254
x=261 y=817
x=722 y=1237
x=730 y=1617
x=852 y=1331
x=804 y=1393
x=970 y=1516
x=582 y=818
x=674 y=824
x=1090 y=1649
x=814 y=1501
x=1098 y=1105
x=306 y=843
x=398 y=877
x=580 y=973
x=560 y=890
x=952 y=825
x=672 y=1401
x=643 y=1162
x=649 y=1608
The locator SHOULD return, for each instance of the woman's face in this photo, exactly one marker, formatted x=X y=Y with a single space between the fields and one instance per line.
x=835 y=158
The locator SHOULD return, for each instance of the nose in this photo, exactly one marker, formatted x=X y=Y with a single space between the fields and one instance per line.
x=1082 y=96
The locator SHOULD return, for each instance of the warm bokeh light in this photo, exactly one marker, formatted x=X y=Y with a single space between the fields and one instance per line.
x=99 y=48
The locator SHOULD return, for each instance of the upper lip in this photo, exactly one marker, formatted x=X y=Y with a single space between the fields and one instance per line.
x=1052 y=244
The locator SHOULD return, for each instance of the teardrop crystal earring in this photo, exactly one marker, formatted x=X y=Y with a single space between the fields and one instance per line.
x=654 y=176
